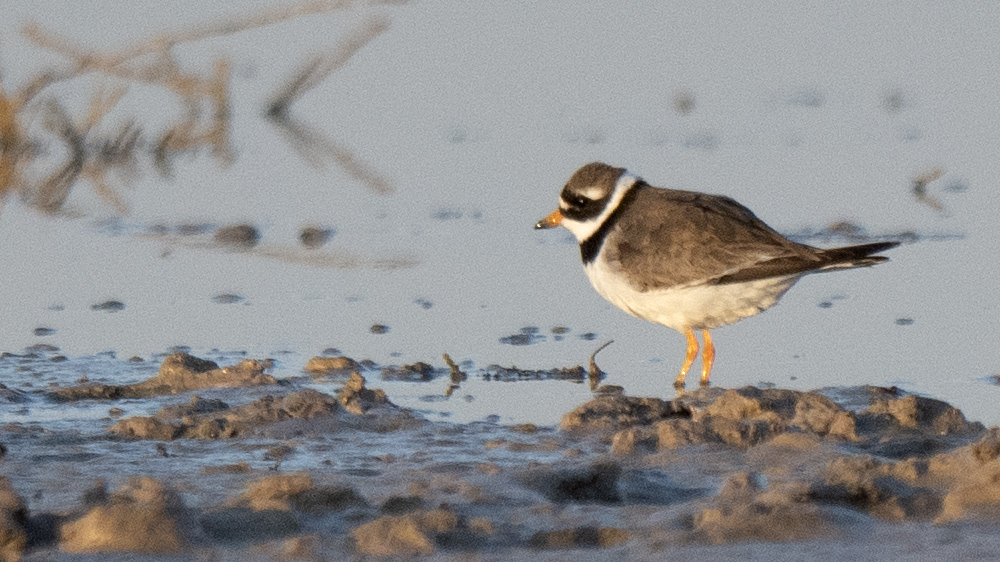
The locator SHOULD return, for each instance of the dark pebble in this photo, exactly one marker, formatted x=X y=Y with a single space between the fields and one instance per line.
x=313 y=237
x=239 y=236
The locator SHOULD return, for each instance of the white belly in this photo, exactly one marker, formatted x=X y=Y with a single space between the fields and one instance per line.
x=693 y=306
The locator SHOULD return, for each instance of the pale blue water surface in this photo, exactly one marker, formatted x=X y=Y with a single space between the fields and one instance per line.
x=476 y=115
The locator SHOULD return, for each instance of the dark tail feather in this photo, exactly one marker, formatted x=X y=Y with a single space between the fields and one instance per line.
x=856 y=256
x=825 y=260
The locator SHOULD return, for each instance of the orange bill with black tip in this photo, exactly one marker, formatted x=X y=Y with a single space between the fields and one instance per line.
x=551 y=221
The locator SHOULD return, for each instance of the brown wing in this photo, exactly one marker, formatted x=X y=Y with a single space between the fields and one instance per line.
x=670 y=238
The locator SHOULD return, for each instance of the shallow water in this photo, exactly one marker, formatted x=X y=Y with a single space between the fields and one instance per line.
x=810 y=117
x=449 y=261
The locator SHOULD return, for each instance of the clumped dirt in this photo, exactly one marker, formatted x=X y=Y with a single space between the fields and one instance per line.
x=331 y=366
x=144 y=516
x=219 y=421
x=13 y=522
x=179 y=372
x=275 y=471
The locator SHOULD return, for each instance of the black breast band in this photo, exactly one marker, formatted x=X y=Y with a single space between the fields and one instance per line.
x=590 y=247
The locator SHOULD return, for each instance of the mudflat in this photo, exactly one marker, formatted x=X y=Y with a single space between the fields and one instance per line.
x=229 y=462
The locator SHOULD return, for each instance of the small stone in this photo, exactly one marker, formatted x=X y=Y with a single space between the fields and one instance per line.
x=108 y=306
x=313 y=237
x=238 y=237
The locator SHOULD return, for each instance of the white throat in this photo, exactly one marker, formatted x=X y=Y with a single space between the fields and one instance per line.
x=584 y=229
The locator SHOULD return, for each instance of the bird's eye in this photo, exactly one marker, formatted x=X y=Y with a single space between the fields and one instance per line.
x=579 y=201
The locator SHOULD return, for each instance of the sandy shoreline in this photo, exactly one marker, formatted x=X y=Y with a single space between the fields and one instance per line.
x=275 y=471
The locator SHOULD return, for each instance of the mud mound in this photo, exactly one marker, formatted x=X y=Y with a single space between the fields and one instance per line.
x=214 y=419
x=270 y=508
x=356 y=398
x=420 y=533
x=892 y=426
x=612 y=412
x=179 y=372
x=744 y=511
x=226 y=423
x=144 y=516
x=13 y=522
x=331 y=366
x=297 y=492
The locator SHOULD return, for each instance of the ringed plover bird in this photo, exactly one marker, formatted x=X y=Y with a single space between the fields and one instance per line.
x=683 y=259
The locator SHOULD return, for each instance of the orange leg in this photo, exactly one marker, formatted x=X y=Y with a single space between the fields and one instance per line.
x=707 y=357
x=692 y=352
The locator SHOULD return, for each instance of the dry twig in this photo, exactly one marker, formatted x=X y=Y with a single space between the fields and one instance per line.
x=313 y=146
x=920 y=188
x=206 y=98
x=594 y=372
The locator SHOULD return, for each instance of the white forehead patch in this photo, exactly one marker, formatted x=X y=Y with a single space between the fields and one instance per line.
x=593 y=192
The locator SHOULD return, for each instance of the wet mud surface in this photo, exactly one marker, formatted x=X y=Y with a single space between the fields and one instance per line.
x=198 y=460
